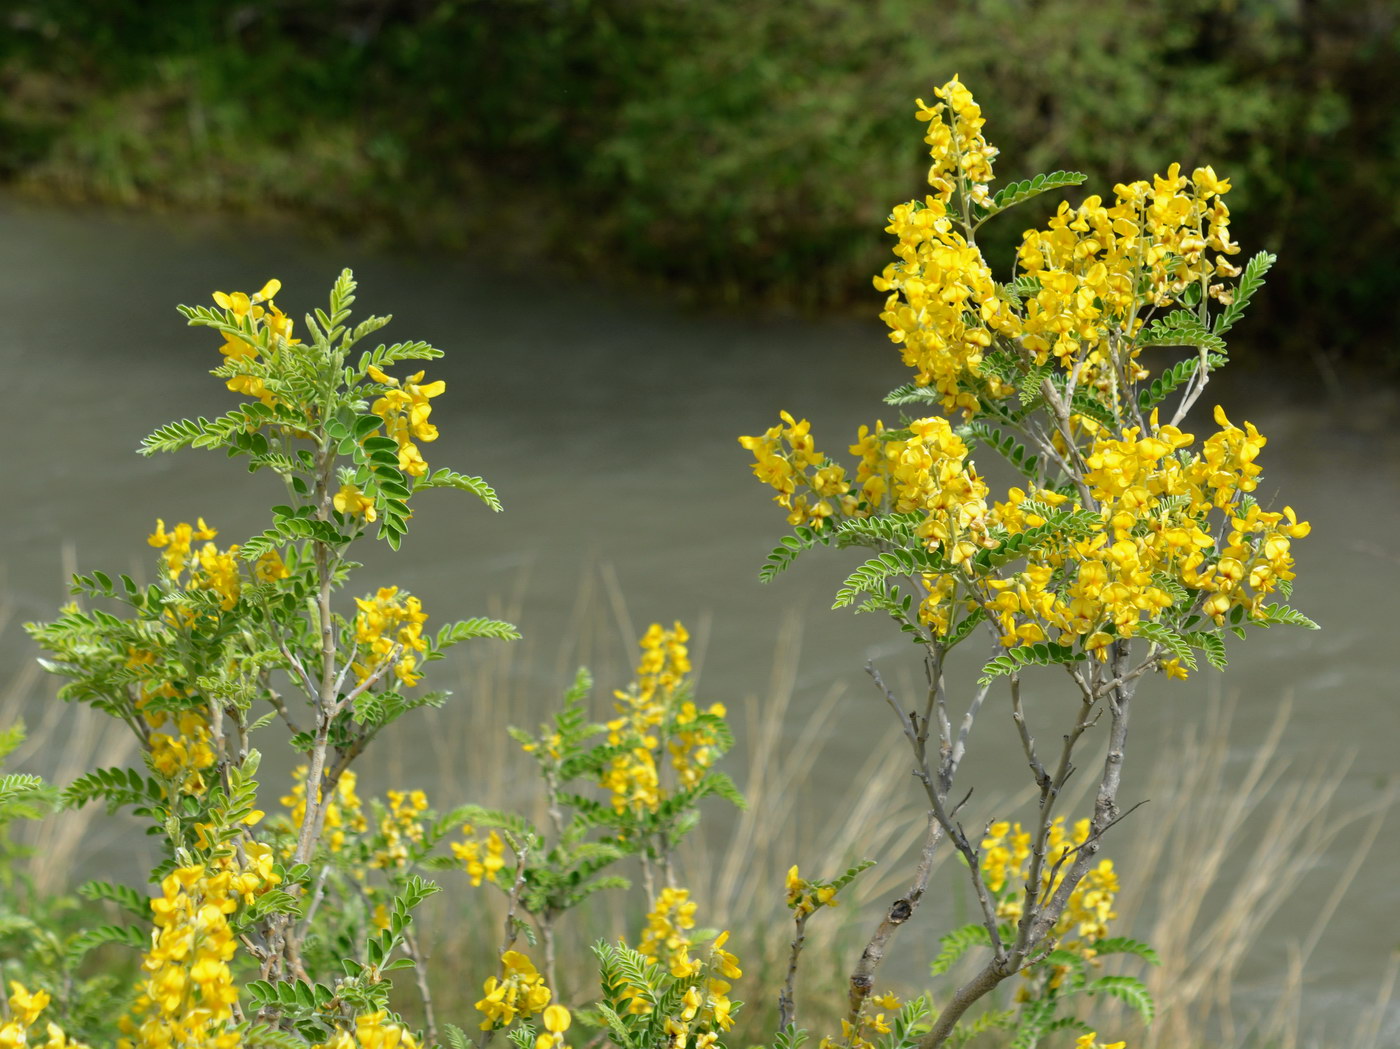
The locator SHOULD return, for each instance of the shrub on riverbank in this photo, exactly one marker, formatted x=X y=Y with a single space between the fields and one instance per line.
x=1129 y=551
x=732 y=150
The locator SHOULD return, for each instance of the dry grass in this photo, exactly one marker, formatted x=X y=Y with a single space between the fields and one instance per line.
x=1281 y=818
x=1205 y=923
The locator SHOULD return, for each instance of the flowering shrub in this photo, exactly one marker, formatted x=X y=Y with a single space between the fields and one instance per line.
x=1127 y=548
x=287 y=929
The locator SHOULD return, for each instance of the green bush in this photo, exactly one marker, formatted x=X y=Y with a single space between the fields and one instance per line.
x=728 y=149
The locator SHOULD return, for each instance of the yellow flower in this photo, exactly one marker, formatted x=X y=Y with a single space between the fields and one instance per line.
x=350 y=500
x=405 y=410
x=520 y=991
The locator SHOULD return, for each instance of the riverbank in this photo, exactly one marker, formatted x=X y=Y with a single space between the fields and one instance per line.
x=739 y=153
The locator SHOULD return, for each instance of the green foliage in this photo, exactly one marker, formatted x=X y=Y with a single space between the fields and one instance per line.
x=1182 y=328
x=1042 y=653
x=1060 y=526
x=1175 y=377
x=870 y=577
x=738 y=164
x=1010 y=449
x=953 y=945
x=1020 y=192
x=783 y=555
x=445 y=478
x=1251 y=281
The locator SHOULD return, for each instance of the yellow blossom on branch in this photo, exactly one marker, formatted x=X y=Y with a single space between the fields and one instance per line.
x=519 y=992
x=405 y=409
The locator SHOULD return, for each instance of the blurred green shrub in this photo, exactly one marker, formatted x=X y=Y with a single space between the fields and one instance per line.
x=739 y=148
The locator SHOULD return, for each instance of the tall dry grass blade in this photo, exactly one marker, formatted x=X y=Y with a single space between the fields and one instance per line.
x=1273 y=825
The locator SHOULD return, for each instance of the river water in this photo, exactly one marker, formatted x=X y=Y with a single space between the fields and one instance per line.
x=607 y=422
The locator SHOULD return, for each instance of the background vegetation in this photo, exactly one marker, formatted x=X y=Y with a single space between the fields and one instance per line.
x=733 y=150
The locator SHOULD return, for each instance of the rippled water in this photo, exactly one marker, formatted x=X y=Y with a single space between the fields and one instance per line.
x=608 y=425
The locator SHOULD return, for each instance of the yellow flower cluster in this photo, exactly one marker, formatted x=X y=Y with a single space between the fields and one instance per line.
x=258 y=312
x=188 y=994
x=344 y=815
x=960 y=152
x=693 y=744
x=209 y=567
x=1006 y=853
x=706 y=1009
x=384 y=621
x=706 y=1013
x=633 y=777
x=400 y=827
x=372 y=1031
x=180 y=755
x=664 y=664
x=405 y=410
x=664 y=937
x=870 y=1021
x=920 y=469
x=798 y=465
x=482 y=859
x=1166 y=517
x=519 y=992
x=804 y=897
x=19 y=1030
x=183 y=757
x=943 y=309
x=1157 y=503
x=1097 y=266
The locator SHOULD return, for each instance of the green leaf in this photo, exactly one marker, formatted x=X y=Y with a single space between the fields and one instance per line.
x=1173 y=640
x=1125 y=945
x=1212 y=644
x=1271 y=615
x=1020 y=192
x=790 y=1037
x=446 y=478
x=19 y=786
x=879 y=530
x=1004 y=444
x=957 y=943
x=1062 y=525
x=468 y=629
x=1042 y=653
x=1127 y=989
x=456 y=1037
x=909 y=393
x=965 y=627
x=1250 y=282
x=869 y=577
x=125 y=897
x=783 y=555
x=1175 y=377
x=129 y=935
x=1181 y=328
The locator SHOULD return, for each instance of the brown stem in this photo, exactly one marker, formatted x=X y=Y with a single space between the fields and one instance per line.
x=862 y=980
x=787 y=1008
x=420 y=973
